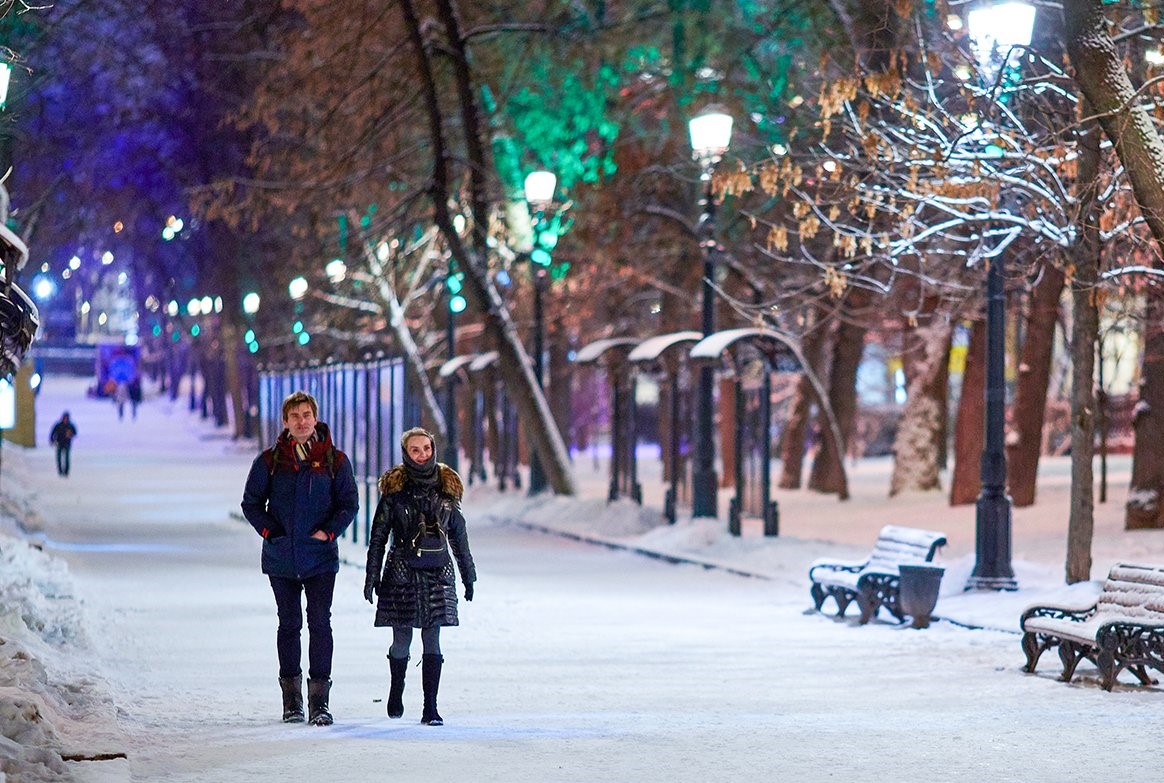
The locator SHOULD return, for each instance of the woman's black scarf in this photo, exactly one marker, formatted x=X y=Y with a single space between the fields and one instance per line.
x=425 y=475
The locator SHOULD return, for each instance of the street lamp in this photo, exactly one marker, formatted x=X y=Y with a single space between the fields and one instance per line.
x=711 y=132
x=456 y=304
x=5 y=80
x=539 y=195
x=297 y=288
x=996 y=29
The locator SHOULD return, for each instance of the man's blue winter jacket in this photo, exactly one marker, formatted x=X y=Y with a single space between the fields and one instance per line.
x=287 y=499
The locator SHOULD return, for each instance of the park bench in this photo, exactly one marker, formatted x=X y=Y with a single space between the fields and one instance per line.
x=1122 y=629
x=874 y=582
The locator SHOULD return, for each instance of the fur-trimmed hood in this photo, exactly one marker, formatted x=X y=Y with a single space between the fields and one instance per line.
x=450 y=481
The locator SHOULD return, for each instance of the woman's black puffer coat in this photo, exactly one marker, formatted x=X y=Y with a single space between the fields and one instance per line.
x=420 y=598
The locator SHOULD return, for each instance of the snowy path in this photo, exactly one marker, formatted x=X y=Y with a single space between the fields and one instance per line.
x=574 y=663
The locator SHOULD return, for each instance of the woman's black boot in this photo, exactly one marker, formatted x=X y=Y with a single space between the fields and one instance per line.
x=398 y=667
x=430 y=675
x=292 y=698
x=317 y=710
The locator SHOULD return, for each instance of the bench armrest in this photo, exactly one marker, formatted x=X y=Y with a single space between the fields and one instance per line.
x=1077 y=613
x=835 y=566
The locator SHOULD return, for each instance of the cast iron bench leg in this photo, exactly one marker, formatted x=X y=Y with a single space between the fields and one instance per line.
x=1033 y=650
x=1070 y=655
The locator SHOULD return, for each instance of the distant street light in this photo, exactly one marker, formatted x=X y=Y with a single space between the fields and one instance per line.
x=336 y=270
x=540 y=187
x=297 y=288
x=43 y=287
x=996 y=29
x=711 y=133
x=250 y=303
x=5 y=80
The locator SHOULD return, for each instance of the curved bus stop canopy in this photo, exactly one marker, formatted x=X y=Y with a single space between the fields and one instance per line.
x=623 y=436
x=715 y=344
x=712 y=347
x=652 y=348
x=592 y=352
x=667 y=353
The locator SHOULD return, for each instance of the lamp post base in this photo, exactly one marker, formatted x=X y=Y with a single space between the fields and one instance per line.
x=992 y=569
x=995 y=583
x=537 y=476
x=704 y=490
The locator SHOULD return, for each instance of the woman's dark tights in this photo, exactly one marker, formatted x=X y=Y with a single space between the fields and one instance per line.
x=430 y=639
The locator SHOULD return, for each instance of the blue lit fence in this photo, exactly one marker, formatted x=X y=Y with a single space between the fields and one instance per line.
x=367 y=405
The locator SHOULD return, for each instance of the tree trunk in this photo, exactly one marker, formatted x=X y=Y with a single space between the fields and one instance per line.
x=515 y=367
x=970 y=428
x=1030 y=401
x=1143 y=507
x=231 y=340
x=1105 y=83
x=726 y=413
x=1084 y=336
x=915 y=449
x=561 y=374
x=792 y=441
x=827 y=474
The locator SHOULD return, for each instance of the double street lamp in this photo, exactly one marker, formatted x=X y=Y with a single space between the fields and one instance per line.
x=540 y=187
x=711 y=133
x=996 y=29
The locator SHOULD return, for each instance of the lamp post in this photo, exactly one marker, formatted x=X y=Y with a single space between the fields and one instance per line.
x=711 y=132
x=456 y=304
x=539 y=195
x=6 y=138
x=995 y=30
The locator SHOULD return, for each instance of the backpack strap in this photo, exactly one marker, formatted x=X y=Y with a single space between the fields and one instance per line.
x=271 y=457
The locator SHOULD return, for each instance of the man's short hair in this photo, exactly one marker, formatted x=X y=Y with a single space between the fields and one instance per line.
x=295 y=399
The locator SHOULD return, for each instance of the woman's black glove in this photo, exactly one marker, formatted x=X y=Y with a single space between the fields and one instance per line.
x=370 y=588
x=468 y=591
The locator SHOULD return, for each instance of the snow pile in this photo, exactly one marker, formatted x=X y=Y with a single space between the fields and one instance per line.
x=42 y=704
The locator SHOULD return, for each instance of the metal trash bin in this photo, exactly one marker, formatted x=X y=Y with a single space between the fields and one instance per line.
x=918 y=591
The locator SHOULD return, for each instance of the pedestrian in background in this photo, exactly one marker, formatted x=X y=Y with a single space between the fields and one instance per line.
x=61 y=436
x=300 y=496
x=120 y=397
x=134 y=395
x=419 y=520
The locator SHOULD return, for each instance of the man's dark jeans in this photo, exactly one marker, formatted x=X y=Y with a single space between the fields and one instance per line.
x=63 y=460
x=318 y=590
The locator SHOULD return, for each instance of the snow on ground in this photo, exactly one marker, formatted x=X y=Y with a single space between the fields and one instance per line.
x=135 y=628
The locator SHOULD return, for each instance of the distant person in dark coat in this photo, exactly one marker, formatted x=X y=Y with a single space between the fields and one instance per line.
x=61 y=436
x=300 y=496
x=419 y=515
x=134 y=395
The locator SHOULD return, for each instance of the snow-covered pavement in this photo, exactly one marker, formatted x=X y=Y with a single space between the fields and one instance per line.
x=573 y=663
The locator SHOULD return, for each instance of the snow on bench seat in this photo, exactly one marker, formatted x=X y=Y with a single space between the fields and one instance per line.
x=873 y=582
x=1123 y=629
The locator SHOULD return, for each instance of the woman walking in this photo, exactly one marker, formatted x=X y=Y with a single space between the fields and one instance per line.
x=419 y=521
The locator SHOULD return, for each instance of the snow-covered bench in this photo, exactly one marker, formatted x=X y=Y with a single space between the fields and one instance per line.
x=1123 y=629
x=874 y=582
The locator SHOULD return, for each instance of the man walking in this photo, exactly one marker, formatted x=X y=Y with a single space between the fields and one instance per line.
x=300 y=496
x=61 y=436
